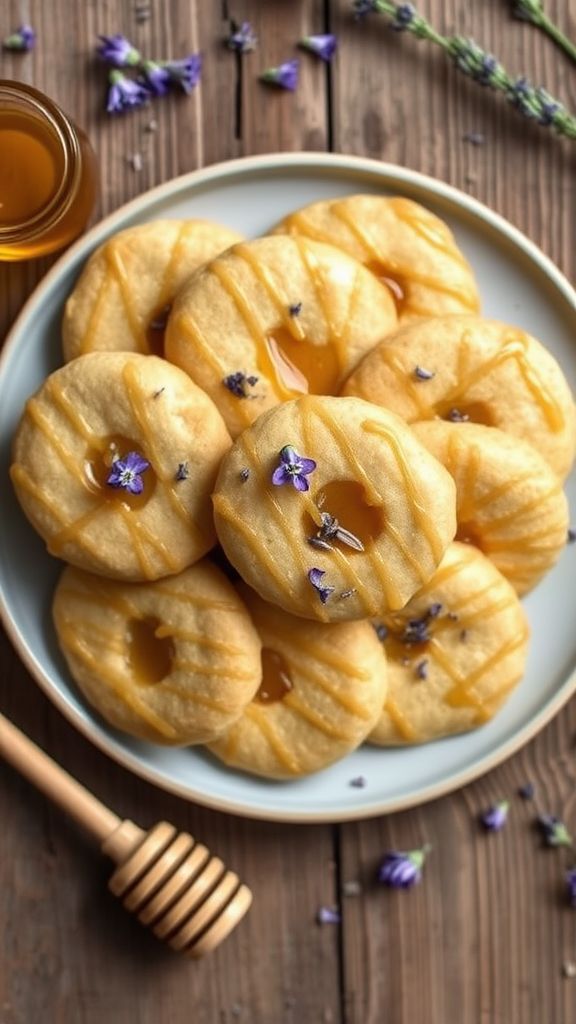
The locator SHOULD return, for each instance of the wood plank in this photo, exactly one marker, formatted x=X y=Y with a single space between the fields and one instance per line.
x=484 y=937
x=68 y=951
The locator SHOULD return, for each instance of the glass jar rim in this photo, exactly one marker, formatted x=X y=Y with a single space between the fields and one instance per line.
x=44 y=109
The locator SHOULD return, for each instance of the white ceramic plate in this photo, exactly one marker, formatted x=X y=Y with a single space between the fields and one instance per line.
x=517 y=284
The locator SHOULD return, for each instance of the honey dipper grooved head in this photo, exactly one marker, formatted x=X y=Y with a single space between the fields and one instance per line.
x=187 y=896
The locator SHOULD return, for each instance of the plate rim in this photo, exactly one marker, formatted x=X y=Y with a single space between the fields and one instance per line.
x=390 y=174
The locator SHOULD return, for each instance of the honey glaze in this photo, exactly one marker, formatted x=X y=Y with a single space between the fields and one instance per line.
x=98 y=461
x=395 y=284
x=346 y=502
x=302 y=367
x=156 y=331
x=150 y=655
x=276 y=678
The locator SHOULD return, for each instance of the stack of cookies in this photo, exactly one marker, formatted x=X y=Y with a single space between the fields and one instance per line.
x=300 y=485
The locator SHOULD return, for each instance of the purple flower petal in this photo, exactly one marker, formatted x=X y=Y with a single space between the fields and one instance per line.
x=156 y=77
x=185 y=72
x=300 y=483
x=328 y=915
x=495 y=817
x=315 y=576
x=22 y=40
x=571 y=883
x=126 y=473
x=402 y=870
x=307 y=466
x=281 y=476
x=242 y=40
x=124 y=93
x=324 y=46
x=118 y=50
x=284 y=75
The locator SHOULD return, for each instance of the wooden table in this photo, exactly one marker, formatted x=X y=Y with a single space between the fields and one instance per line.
x=484 y=938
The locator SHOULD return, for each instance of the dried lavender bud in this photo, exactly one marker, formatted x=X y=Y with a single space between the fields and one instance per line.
x=237 y=382
x=182 y=473
x=295 y=309
x=244 y=474
x=421 y=670
x=421 y=374
x=381 y=631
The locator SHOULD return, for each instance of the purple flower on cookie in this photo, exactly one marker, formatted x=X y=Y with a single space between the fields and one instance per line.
x=293 y=469
x=127 y=473
x=315 y=577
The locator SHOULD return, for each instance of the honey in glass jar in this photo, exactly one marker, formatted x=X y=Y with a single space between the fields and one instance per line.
x=47 y=175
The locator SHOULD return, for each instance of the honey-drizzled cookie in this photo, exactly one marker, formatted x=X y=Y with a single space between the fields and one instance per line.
x=405 y=245
x=455 y=652
x=115 y=458
x=509 y=502
x=122 y=298
x=174 y=661
x=273 y=319
x=332 y=509
x=321 y=693
x=483 y=371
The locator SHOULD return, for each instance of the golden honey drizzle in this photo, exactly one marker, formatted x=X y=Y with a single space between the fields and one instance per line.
x=149 y=655
x=224 y=508
x=261 y=718
x=296 y=703
x=387 y=266
x=402 y=725
x=140 y=410
x=514 y=346
x=461 y=694
x=90 y=333
x=267 y=623
x=364 y=591
x=276 y=678
x=421 y=515
x=116 y=682
x=345 y=500
x=117 y=270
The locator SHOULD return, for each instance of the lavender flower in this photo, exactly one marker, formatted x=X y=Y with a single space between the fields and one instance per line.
x=422 y=669
x=322 y=46
x=527 y=791
x=381 y=631
x=293 y=469
x=124 y=93
x=571 y=884
x=236 y=383
x=295 y=309
x=363 y=7
x=127 y=473
x=315 y=577
x=554 y=831
x=328 y=915
x=22 y=40
x=358 y=782
x=118 y=50
x=183 y=472
x=421 y=374
x=495 y=817
x=186 y=72
x=284 y=75
x=156 y=78
x=483 y=67
x=242 y=39
x=402 y=870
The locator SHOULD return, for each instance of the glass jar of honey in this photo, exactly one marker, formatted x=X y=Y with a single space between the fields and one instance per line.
x=47 y=175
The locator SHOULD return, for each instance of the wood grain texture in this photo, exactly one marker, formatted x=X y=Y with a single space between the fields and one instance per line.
x=483 y=939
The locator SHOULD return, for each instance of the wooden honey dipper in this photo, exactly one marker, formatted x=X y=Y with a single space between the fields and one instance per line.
x=171 y=882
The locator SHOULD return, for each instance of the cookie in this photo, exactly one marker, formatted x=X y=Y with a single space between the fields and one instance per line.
x=322 y=691
x=509 y=502
x=273 y=319
x=455 y=652
x=480 y=370
x=405 y=245
x=115 y=458
x=121 y=300
x=174 y=661
x=332 y=509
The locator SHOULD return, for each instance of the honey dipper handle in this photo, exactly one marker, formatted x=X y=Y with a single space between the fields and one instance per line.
x=57 y=784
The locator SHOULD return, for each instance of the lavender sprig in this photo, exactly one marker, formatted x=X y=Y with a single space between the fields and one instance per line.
x=532 y=11
x=22 y=40
x=533 y=102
